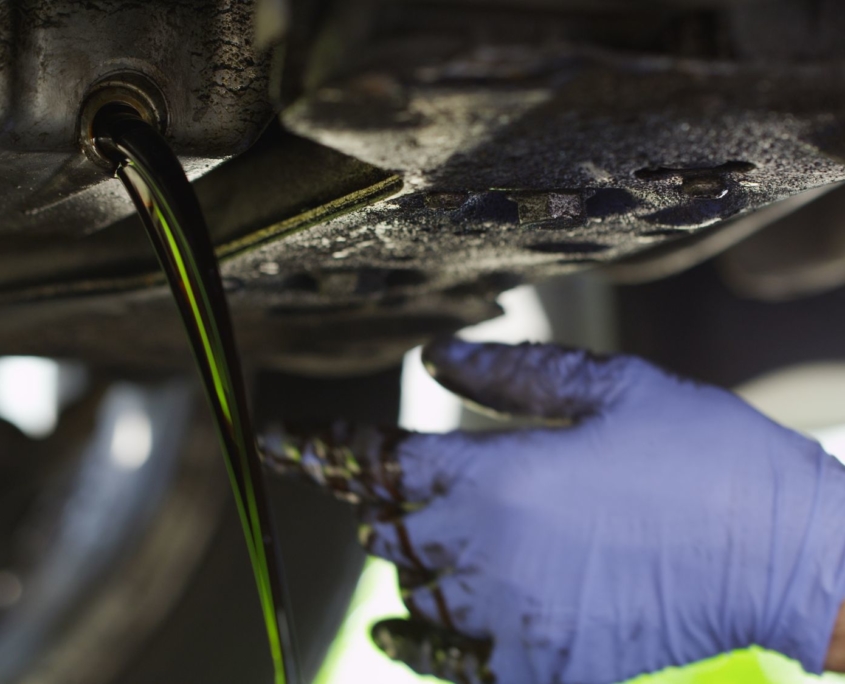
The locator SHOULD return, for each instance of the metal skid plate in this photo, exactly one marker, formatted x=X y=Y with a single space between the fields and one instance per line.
x=464 y=147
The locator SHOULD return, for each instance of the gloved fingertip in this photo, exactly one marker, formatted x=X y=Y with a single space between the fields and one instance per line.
x=543 y=381
x=404 y=641
x=447 y=353
x=382 y=635
x=430 y=650
x=483 y=374
x=464 y=368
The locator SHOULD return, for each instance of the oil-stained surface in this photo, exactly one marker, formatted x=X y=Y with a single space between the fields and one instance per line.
x=197 y=53
x=531 y=139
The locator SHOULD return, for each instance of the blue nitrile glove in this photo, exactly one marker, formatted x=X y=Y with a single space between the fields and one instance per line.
x=669 y=522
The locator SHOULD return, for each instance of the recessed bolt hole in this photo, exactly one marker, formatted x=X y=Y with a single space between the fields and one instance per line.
x=122 y=93
x=705 y=187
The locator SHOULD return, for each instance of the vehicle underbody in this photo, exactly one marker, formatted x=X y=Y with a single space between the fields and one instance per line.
x=375 y=174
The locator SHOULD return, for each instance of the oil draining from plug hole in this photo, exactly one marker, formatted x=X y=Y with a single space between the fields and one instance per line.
x=175 y=224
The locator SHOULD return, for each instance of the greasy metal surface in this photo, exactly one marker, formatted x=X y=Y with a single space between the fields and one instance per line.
x=197 y=52
x=531 y=139
x=529 y=152
x=241 y=199
x=283 y=185
x=672 y=257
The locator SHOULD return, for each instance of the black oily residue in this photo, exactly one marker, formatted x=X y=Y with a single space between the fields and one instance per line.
x=494 y=207
x=301 y=282
x=445 y=201
x=662 y=172
x=315 y=311
x=665 y=233
x=340 y=325
x=410 y=554
x=374 y=280
x=610 y=202
x=693 y=214
x=568 y=247
x=485 y=285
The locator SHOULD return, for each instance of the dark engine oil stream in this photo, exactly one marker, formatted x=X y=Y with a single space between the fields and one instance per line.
x=176 y=227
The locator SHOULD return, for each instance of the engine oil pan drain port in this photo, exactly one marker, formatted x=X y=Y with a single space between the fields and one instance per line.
x=126 y=91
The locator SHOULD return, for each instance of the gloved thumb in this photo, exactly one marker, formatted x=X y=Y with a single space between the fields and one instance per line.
x=540 y=380
x=431 y=650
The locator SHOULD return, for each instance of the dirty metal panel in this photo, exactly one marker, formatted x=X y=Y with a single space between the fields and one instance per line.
x=534 y=142
x=528 y=142
x=197 y=55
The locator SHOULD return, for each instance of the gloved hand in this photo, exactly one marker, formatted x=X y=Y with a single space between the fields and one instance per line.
x=653 y=521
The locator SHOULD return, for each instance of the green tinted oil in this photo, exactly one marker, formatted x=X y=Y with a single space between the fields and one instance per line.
x=176 y=227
